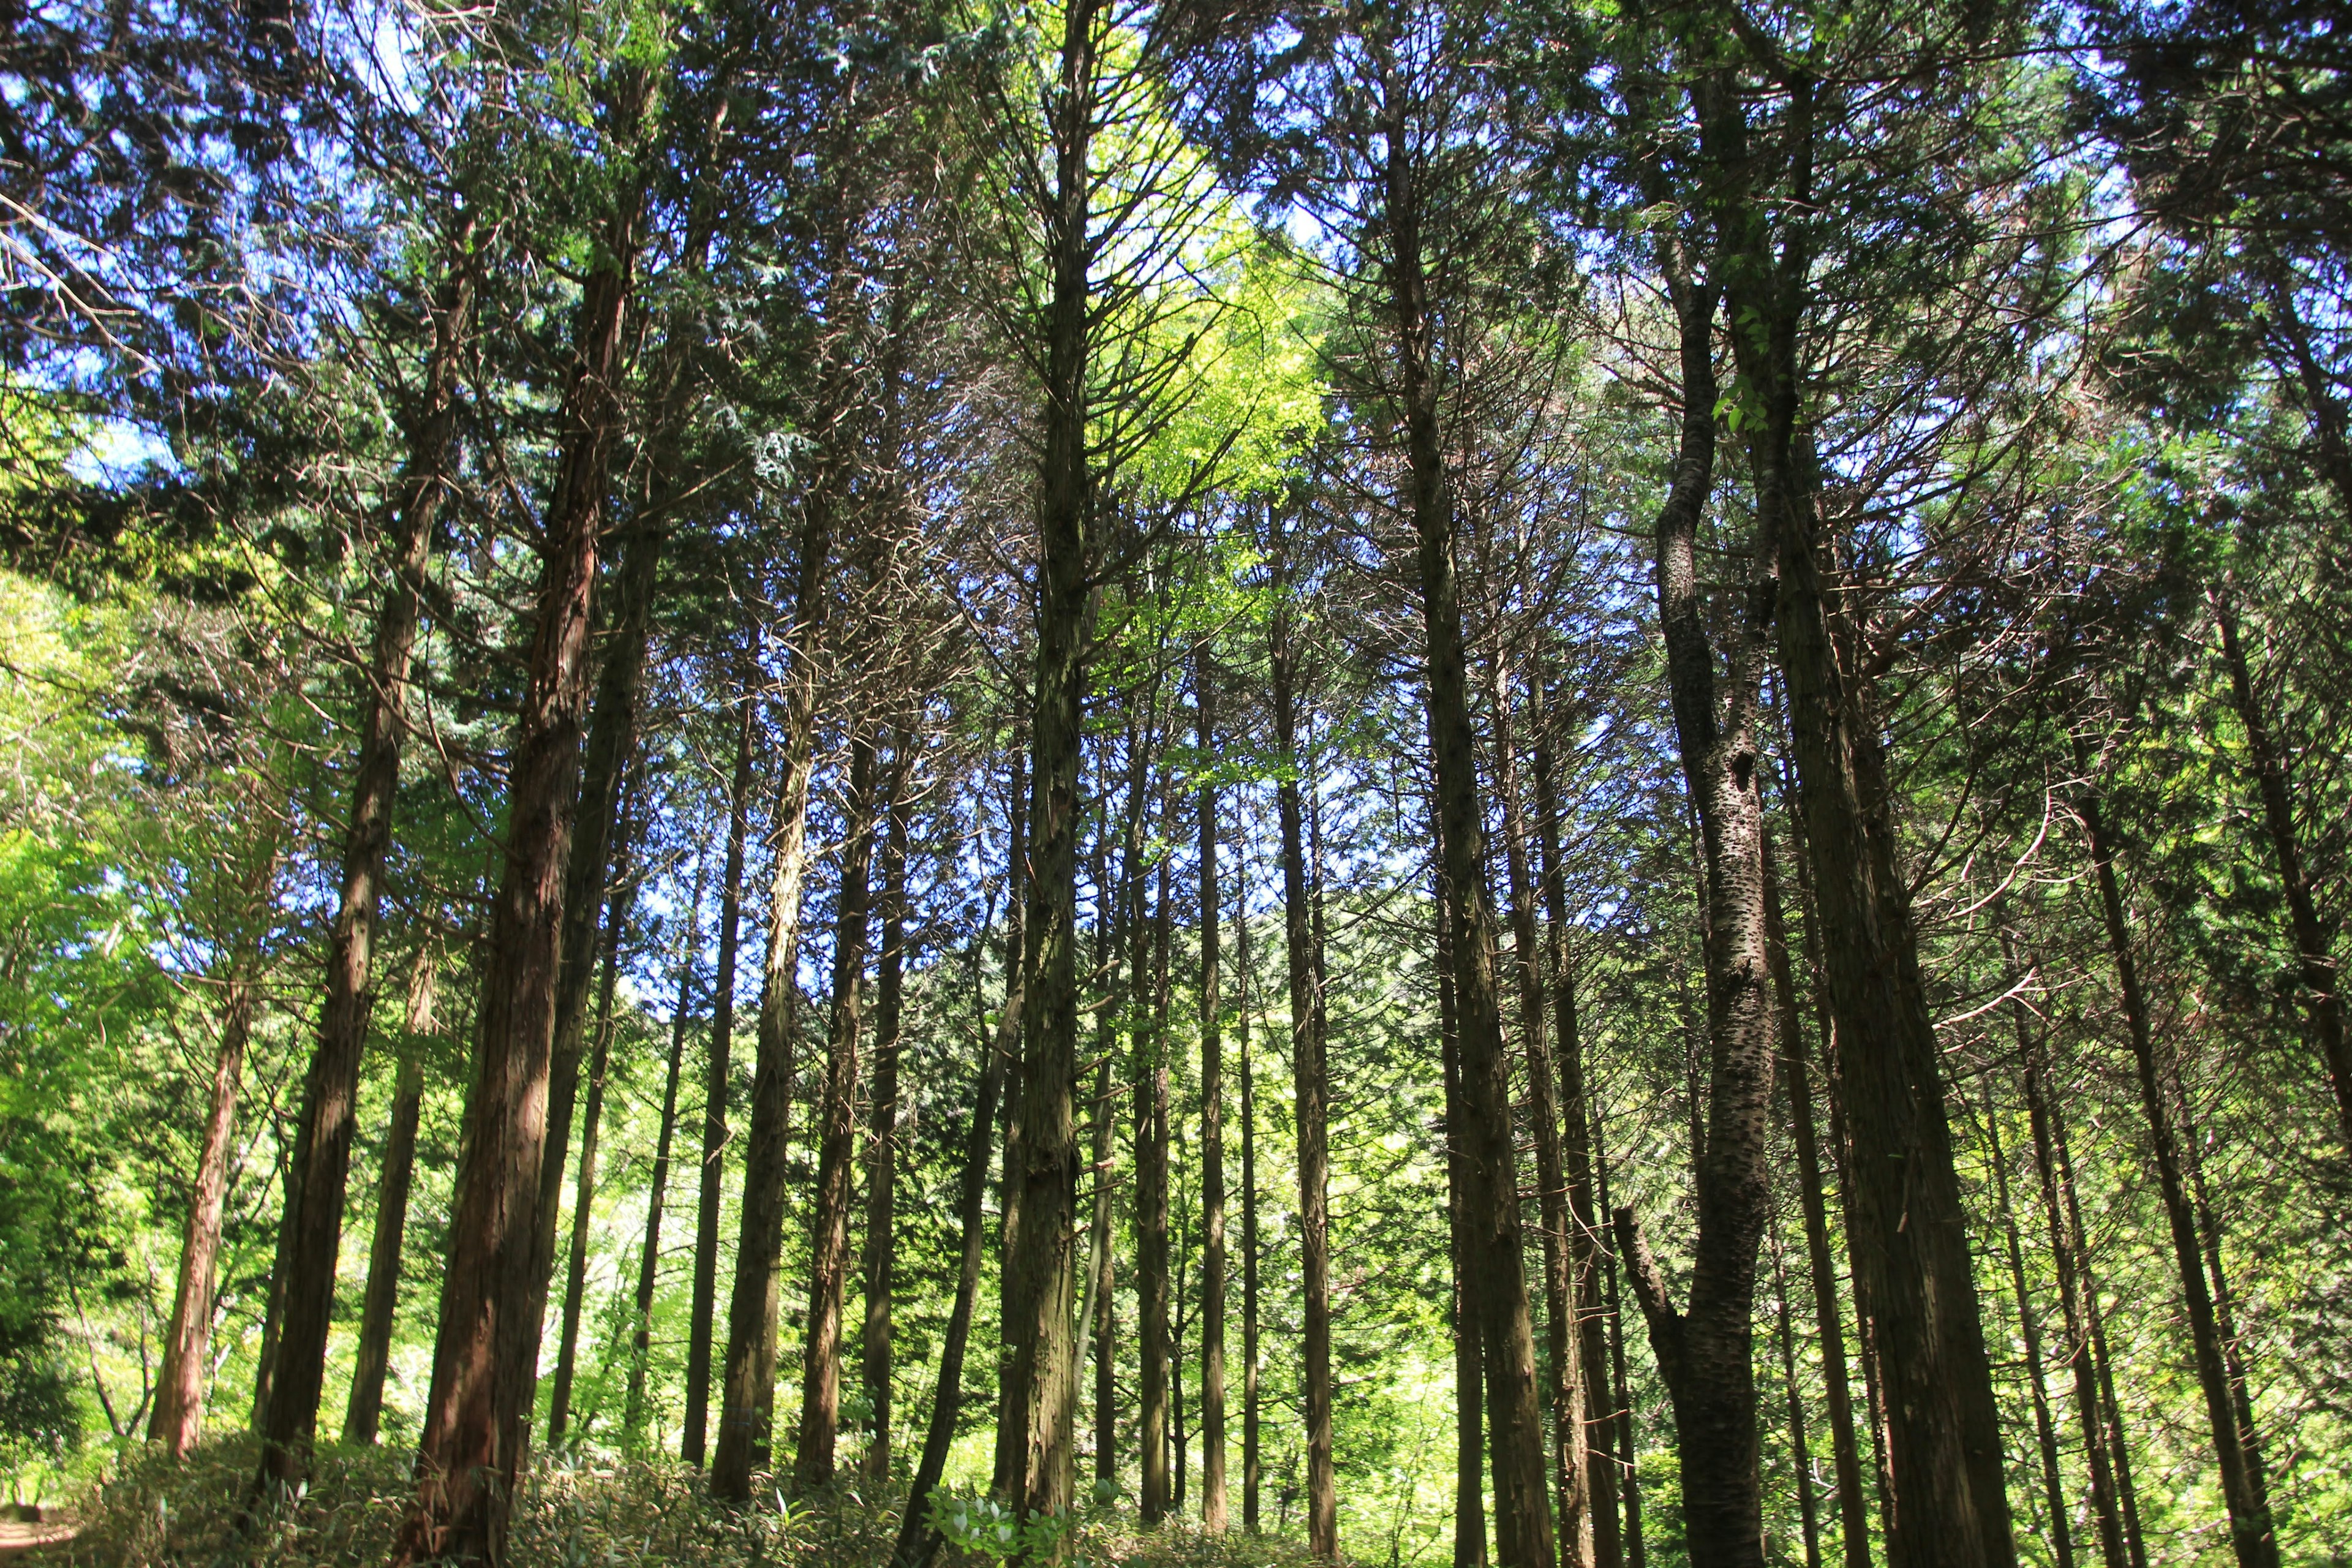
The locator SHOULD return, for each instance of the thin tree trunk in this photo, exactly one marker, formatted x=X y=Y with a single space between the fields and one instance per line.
x=1249 y=1455
x=2238 y=1458
x=177 y=1419
x=1629 y=1474
x=878 y=1262
x=1310 y=1087
x=2065 y=1251
x=584 y=1198
x=1562 y=1390
x=364 y=1412
x=717 y=1084
x=1583 y=1235
x=812 y=1464
x=1150 y=1216
x=2321 y=998
x=2060 y=1531
x=1469 y=1413
x=315 y=1216
x=1212 y=1141
x=1801 y=1454
x=753 y=1306
x=633 y=1420
x=917 y=1543
x=485 y=1360
x=1829 y=1322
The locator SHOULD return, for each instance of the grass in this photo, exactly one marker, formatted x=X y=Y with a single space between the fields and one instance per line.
x=572 y=1512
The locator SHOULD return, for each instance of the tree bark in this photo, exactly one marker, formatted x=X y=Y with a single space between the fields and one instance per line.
x=484 y=1362
x=2321 y=998
x=1212 y=1137
x=1250 y=1456
x=2065 y=1254
x=812 y=1463
x=878 y=1262
x=177 y=1419
x=1583 y=1235
x=1829 y=1321
x=632 y=1419
x=364 y=1412
x=1801 y=1456
x=2060 y=1528
x=584 y=1199
x=918 y=1543
x=2235 y=1451
x=1629 y=1475
x=1562 y=1382
x=1151 y=1212
x=717 y=1084
x=1309 y=1083
x=315 y=1214
x=1469 y=1412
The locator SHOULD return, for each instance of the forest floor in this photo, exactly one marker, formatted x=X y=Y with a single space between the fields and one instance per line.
x=150 y=1512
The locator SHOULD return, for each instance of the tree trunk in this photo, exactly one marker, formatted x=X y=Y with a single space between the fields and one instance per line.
x=1212 y=1141
x=177 y=1420
x=363 y=1413
x=2322 y=999
x=753 y=1306
x=1151 y=1213
x=1913 y=1279
x=1250 y=1456
x=484 y=1362
x=2065 y=1253
x=1602 y=1485
x=1629 y=1475
x=917 y=1543
x=1562 y=1383
x=1800 y=1455
x=2060 y=1528
x=1829 y=1322
x=2234 y=1449
x=812 y=1463
x=878 y=1261
x=298 y=1367
x=632 y=1419
x=584 y=1199
x=1469 y=1413
x=1310 y=1087
x=717 y=1081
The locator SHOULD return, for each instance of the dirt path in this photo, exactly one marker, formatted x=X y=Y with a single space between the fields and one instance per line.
x=19 y=1540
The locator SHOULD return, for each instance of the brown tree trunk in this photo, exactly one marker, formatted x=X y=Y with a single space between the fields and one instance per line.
x=1213 y=1139
x=917 y=1543
x=633 y=1418
x=2060 y=1528
x=1629 y=1475
x=1151 y=1213
x=1914 y=1279
x=1801 y=1454
x=584 y=1198
x=1562 y=1382
x=2065 y=1254
x=1310 y=1086
x=364 y=1412
x=330 y=1095
x=1583 y=1235
x=812 y=1463
x=1250 y=1456
x=2235 y=1452
x=754 y=1307
x=2322 y=999
x=717 y=1083
x=878 y=1263
x=177 y=1419
x=1829 y=1321
x=484 y=1361
x=1469 y=1413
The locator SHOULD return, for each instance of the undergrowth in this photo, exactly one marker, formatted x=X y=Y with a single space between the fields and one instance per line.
x=571 y=1512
